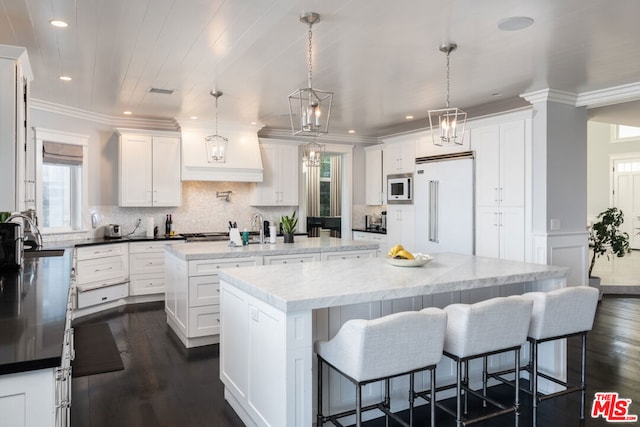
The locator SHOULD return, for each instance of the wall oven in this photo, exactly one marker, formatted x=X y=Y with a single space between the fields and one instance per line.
x=400 y=188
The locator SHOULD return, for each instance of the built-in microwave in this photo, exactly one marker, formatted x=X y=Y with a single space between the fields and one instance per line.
x=400 y=188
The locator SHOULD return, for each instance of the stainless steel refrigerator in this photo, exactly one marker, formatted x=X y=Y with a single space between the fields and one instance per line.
x=444 y=203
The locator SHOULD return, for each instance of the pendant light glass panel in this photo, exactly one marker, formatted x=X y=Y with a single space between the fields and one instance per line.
x=216 y=144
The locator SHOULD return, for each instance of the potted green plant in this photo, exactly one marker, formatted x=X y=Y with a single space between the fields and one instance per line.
x=289 y=224
x=605 y=238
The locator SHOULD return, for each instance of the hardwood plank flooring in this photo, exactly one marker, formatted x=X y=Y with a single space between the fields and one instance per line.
x=164 y=384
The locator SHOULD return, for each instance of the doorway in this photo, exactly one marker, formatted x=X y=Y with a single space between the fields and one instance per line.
x=625 y=193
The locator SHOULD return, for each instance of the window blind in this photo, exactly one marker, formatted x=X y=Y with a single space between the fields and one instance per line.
x=66 y=154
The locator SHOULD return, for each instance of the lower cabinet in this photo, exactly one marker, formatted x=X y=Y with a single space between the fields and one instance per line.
x=290 y=259
x=329 y=256
x=192 y=298
x=500 y=232
x=379 y=238
x=102 y=273
x=146 y=268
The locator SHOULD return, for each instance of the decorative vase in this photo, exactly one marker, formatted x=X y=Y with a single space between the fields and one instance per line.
x=288 y=238
x=594 y=282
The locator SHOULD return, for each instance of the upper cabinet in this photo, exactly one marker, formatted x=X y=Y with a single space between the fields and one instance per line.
x=149 y=168
x=400 y=156
x=281 y=164
x=375 y=188
x=500 y=164
x=17 y=170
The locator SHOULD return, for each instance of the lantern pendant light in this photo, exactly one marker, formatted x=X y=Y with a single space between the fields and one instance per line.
x=313 y=154
x=309 y=108
x=216 y=144
x=447 y=124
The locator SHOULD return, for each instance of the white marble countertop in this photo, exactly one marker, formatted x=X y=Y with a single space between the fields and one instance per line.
x=323 y=284
x=218 y=250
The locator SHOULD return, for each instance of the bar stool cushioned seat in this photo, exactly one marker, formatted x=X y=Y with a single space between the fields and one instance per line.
x=477 y=330
x=560 y=314
x=366 y=351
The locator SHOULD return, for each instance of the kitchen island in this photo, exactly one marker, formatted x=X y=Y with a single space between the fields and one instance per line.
x=192 y=294
x=270 y=317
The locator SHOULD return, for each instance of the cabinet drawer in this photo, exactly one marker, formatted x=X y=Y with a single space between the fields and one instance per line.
x=204 y=290
x=146 y=247
x=100 y=251
x=102 y=295
x=348 y=255
x=204 y=321
x=146 y=284
x=107 y=270
x=208 y=267
x=291 y=259
x=142 y=263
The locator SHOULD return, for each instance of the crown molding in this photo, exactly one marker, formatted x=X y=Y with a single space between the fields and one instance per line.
x=329 y=138
x=551 y=95
x=613 y=95
x=116 y=122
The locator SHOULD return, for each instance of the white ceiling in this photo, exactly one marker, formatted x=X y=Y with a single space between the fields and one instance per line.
x=380 y=57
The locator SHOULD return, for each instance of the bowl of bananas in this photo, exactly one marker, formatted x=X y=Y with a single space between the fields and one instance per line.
x=400 y=257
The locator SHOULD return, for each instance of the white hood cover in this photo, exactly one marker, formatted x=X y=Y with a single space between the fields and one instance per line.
x=243 y=161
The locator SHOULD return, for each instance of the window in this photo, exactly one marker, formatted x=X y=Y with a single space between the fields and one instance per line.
x=626 y=133
x=325 y=187
x=62 y=180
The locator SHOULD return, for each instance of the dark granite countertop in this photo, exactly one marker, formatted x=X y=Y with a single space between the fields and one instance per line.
x=33 y=304
x=370 y=230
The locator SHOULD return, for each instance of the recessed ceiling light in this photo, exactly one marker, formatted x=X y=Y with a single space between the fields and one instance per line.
x=409 y=117
x=194 y=117
x=496 y=94
x=58 y=23
x=253 y=123
x=352 y=131
x=65 y=78
x=128 y=113
x=515 y=23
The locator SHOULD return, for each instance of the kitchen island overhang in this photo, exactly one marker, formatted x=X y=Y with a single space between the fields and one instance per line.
x=271 y=315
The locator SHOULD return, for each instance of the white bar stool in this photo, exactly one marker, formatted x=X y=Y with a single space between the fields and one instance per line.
x=479 y=330
x=367 y=351
x=560 y=314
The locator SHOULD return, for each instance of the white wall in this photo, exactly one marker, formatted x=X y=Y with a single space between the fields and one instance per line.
x=599 y=136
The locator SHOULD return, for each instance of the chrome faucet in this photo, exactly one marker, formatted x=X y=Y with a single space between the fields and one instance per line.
x=259 y=217
x=33 y=228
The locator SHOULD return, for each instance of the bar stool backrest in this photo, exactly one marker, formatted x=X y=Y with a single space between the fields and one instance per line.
x=386 y=346
x=487 y=326
x=562 y=311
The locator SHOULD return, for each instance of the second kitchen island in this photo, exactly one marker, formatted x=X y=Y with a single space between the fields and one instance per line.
x=270 y=317
x=192 y=298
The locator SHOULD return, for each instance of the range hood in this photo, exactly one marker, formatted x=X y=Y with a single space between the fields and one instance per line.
x=243 y=162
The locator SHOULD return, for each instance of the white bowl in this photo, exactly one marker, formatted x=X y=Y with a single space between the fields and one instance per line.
x=420 y=260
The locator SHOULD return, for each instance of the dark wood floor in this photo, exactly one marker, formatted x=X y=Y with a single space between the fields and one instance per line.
x=164 y=384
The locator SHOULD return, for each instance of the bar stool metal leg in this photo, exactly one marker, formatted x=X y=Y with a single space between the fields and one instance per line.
x=358 y=405
x=432 y=401
x=517 y=396
x=484 y=380
x=583 y=374
x=387 y=401
x=319 y=414
x=412 y=397
x=458 y=393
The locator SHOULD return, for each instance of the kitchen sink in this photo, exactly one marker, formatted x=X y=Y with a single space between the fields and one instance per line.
x=43 y=253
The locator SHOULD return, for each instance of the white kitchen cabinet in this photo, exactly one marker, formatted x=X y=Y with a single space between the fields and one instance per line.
x=500 y=190
x=149 y=168
x=102 y=273
x=379 y=238
x=399 y=156
x=330 y=256
x=192 y=300
x=146 y=268
x=17 y=172
x=375 y=193
x=280 y=176
x=401 y=227
x=500 y=164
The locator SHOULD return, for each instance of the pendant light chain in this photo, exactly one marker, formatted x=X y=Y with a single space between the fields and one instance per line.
x=216 y=115
x=448 y=79
x=310 y=48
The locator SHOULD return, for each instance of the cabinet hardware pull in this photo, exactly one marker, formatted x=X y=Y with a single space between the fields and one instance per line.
x=104 y=298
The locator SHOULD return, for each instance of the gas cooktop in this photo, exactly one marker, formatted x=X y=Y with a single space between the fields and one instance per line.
x=204 y=237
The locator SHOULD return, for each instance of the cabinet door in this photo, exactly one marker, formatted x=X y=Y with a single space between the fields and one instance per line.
x=288 y=175
x=401 y=227
x=487 y=235
x=512 y=162
x=486 y=144
x=512 y=233
x=373 y=177
x=167 y=187
x=266 y=192
x=135 y=170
